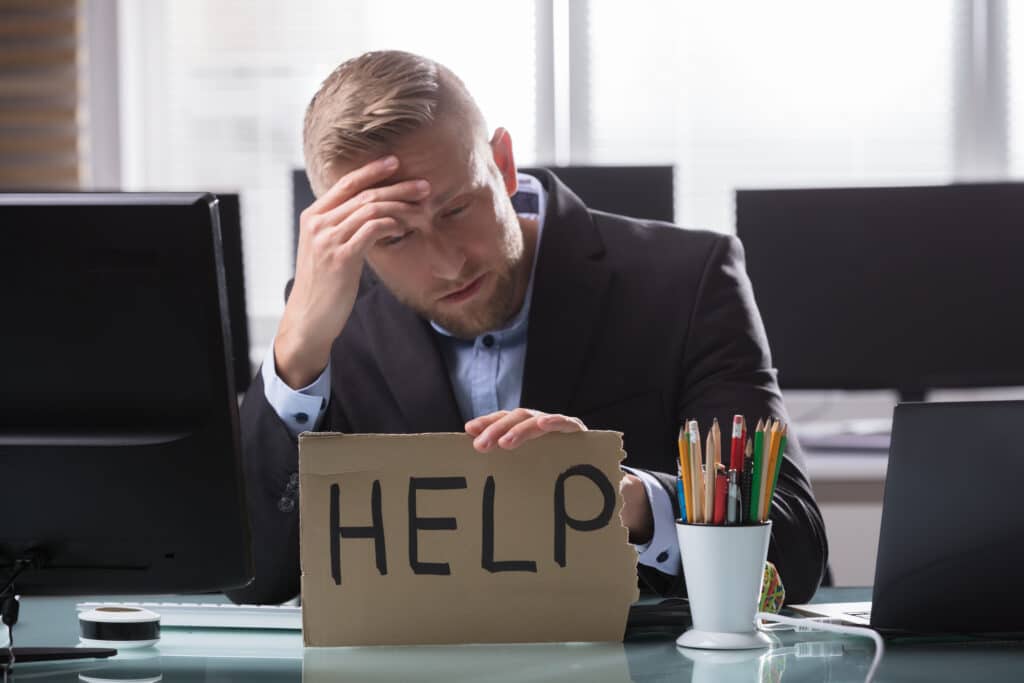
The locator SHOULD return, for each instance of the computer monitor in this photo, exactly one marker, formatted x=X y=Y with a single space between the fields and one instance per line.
x=637 y=191
x=119 y=442
x=905 y=288
x=234 y=271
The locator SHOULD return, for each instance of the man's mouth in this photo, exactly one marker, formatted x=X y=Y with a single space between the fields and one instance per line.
x=465 y=292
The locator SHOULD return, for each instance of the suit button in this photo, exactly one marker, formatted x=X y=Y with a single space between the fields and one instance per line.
x=301 y=418
x=286 y=504
x=488 y=340
x=662 y=556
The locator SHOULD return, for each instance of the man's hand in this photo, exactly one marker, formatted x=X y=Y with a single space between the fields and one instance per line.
x=511 y=428
x=335 y=233
x=636 y=510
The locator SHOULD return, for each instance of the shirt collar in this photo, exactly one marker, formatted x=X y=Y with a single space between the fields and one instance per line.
x=529 y=201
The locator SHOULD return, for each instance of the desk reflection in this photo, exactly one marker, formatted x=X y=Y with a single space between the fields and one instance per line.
x=591 y=662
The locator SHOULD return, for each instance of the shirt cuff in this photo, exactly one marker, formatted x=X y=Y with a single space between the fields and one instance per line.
x=662 y=551
x=302 y=410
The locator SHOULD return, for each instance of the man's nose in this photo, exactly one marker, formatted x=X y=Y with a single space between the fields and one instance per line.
x=446 y=258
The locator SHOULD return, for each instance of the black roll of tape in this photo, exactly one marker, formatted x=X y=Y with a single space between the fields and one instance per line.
x=120 y=627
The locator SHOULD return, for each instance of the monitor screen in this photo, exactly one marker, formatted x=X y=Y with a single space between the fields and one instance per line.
x=906 y=288
x=119 y=442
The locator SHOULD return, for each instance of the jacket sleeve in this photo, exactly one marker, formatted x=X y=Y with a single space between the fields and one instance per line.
x=271 y=461
x=727 y=369
x=270 y=457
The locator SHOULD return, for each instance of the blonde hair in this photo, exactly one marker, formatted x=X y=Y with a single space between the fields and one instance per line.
x=371 y=101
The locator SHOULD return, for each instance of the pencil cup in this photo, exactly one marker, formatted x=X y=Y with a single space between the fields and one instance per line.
x=724 y=566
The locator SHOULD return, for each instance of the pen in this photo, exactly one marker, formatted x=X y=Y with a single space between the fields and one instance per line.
x=682 y=499
x=745 y=482
x=743 y=440
x=736 y=445
x=734 y=498
x=721 y=497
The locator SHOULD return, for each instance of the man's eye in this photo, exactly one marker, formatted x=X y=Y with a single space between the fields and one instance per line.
x=456 y=211
x=391 y=241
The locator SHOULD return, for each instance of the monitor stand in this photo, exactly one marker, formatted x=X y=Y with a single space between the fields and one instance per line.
x=908 y=395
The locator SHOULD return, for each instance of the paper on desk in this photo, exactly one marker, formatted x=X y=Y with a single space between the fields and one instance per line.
x=543 y=575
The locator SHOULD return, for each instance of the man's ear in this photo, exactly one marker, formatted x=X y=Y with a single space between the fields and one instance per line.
x=501 y=149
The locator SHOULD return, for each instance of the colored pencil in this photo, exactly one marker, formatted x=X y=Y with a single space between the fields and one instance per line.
x=778 y=468
x=771 y=453
x=685 y=475
x=709 y=479
x=697 y=479
x=753 y=507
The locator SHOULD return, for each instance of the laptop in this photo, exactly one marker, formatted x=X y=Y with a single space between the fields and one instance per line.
x=950 y=551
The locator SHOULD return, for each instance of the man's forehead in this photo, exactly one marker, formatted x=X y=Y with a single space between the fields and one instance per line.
x=447 y=168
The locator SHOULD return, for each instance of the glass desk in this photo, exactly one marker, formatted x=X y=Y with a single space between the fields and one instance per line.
x=254 y=655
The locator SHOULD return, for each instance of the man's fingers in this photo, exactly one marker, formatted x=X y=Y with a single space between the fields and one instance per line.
x=522 y=432
x=509 y=429
x=407 y=191
x=478 y=424
x=354 y=182
x=402 y=212
x=538 y=426
x=561 y=423
x=368 y=234
x=489 y=437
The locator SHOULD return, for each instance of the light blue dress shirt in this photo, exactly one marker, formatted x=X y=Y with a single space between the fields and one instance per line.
x=487 y=376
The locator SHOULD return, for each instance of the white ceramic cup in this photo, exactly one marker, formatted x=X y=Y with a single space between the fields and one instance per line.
x=724 y=566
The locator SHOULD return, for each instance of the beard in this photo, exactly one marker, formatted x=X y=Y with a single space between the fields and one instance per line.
x=488 y=310
x=486 y=314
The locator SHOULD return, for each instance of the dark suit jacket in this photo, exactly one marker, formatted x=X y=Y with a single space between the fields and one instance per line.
x=634 y=326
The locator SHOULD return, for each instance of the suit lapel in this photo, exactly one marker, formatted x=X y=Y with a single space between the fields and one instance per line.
x=570 y=283
x=411 y=364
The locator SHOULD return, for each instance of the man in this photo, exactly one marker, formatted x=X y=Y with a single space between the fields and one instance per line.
x=436 y=289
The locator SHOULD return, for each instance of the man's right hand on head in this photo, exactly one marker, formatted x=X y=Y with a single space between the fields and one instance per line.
x=335 y=234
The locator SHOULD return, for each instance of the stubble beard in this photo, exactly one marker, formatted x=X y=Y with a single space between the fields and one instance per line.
x=510 y=281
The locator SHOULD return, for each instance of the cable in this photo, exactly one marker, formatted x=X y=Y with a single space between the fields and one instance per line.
x=10 y=649
x=9 y=604
x=834 y=628
x=20 y=565
x=9 y=616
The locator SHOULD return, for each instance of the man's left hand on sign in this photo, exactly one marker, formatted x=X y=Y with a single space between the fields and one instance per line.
x=510 y=428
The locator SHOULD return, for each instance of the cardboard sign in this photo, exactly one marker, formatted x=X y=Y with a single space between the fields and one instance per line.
x=419 y=539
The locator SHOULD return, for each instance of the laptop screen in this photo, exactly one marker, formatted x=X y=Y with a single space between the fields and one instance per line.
x=950 y=552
